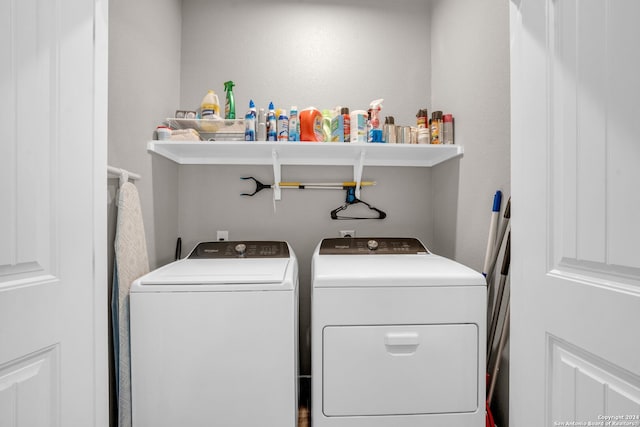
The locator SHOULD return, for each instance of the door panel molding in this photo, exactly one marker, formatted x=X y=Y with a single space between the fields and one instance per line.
x=28 y=163
x=27 y=381
x=591 y=235
x=583 y=387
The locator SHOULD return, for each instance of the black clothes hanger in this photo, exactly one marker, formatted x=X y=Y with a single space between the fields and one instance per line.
x=352 y=200
x=178 y=249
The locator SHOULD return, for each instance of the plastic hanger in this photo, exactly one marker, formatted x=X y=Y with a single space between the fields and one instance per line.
x=352 y=200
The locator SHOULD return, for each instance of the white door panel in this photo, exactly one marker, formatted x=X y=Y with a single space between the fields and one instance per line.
x=576 y=234
x=25 y=164
x=27 y=390
x=52 y=274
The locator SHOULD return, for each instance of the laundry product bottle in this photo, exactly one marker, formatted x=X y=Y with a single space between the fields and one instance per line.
x=326 y=125
x=262 y=125
x=250 y=123
x=337 y=127
x=358 y=126
x=210 y=106
x=283 y=126
x=311 y=125
x=294 y=124
x=272 y=133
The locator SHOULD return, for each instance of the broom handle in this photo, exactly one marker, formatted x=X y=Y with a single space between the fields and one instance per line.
x=501 y=344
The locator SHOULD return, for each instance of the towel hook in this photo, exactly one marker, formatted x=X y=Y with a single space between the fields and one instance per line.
x=124 y=177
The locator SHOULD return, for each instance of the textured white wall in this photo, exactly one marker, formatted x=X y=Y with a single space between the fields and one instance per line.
x=308 y=53
x=470 y=76
x=144 y=88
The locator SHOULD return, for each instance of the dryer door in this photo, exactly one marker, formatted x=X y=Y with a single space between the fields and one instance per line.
x=400 y=370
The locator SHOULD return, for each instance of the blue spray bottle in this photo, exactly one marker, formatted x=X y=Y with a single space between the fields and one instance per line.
x=272 y=133
x=250 y=123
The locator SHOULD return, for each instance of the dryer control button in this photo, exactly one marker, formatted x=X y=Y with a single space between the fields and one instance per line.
x=240 y=248
x=372 y=245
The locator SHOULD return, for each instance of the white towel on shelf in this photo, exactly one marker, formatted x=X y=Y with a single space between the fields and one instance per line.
x=131 y=262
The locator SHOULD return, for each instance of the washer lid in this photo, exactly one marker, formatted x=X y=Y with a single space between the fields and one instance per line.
x=221 y=270
x=364 y=267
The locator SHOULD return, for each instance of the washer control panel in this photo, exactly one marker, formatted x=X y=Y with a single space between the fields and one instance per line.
x=372 y=246
x=244 y=249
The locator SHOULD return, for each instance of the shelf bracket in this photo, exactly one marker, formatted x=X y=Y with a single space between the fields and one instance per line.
x=276 y=176
x=358 y=167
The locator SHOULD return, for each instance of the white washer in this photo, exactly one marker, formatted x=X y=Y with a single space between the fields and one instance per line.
x=214 y=338
x=398 y=336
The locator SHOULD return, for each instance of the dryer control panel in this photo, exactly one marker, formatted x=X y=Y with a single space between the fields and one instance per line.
x=372 y=246
x=241 y=249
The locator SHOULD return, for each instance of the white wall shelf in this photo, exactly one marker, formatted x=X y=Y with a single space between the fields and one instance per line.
x=278 y=154
x=303 y=153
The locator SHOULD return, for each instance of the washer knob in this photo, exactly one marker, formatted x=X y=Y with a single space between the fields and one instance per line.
x=372 y=245
x=240 y=248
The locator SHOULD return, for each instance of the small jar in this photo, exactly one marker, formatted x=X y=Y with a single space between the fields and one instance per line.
x=423 y=136
x=414 y=135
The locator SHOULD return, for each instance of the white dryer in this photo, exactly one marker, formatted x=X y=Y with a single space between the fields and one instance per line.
x=214 y=338
x=398 y=336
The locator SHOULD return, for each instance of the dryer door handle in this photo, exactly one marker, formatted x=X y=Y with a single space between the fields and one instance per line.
x=398 y=343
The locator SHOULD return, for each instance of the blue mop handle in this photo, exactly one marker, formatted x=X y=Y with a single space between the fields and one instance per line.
x=497 y=200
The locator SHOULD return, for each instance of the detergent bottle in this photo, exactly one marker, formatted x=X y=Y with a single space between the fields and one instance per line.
x=311 y=125
x=210 y=106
